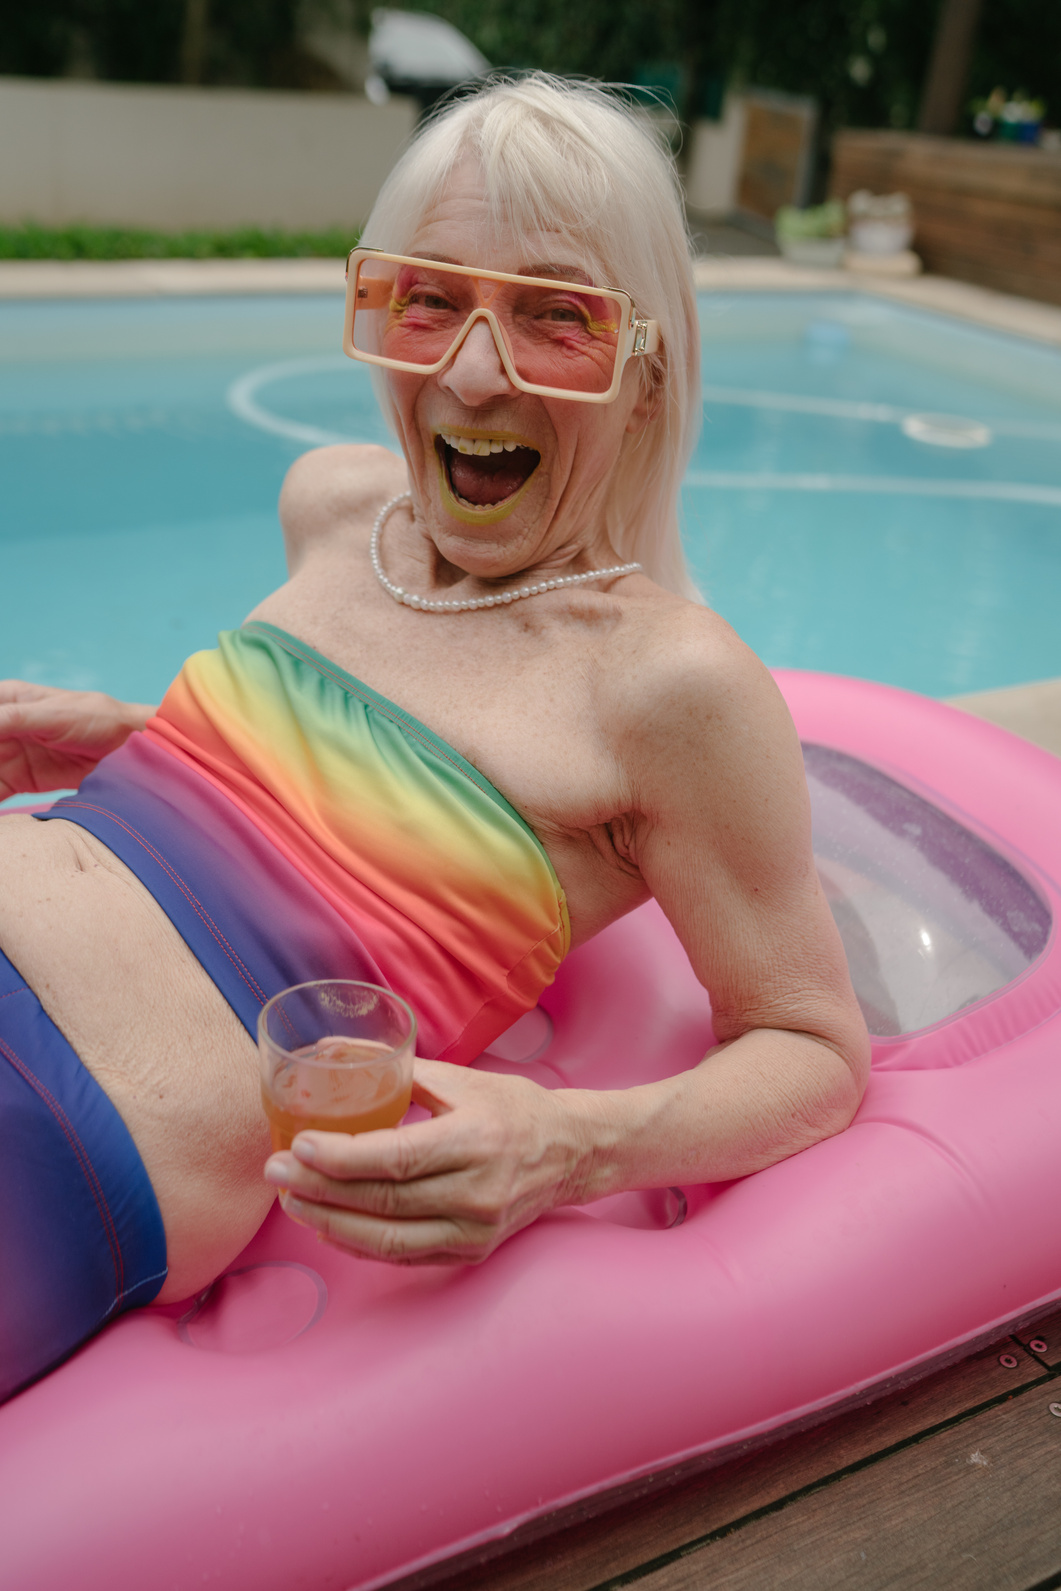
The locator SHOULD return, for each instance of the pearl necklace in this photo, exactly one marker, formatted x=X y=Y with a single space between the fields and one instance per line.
x=428 y=605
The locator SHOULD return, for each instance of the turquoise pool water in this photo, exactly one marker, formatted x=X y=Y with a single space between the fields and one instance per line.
x=143 y=446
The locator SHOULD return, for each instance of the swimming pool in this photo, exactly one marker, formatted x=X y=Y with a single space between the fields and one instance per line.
x=144 y=443
x=831 y=523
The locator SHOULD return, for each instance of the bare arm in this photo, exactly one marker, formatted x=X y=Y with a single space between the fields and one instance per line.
x=720 y=831
x=722 y=839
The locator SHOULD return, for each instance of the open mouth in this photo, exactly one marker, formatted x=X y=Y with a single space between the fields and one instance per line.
x=484 y=471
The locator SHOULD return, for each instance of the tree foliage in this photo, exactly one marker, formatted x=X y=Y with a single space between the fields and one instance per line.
x=250 y=42
x=864 y=60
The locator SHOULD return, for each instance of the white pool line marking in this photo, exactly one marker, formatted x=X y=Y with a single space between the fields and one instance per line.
x=897 y=485
x=853 y=409
x=241 y=398
x=797 y=403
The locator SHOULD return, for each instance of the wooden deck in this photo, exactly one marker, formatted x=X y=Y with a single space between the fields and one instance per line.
x=953 y=1482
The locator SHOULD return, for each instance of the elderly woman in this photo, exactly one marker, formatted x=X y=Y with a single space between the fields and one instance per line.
x=483 y=719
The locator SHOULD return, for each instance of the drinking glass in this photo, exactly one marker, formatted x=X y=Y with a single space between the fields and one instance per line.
x=336 y=1056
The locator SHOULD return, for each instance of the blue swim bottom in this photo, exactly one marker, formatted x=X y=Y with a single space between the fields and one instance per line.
x=81 y=1234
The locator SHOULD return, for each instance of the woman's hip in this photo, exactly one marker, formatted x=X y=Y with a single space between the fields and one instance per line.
x=82 y=1236
x=135 y=1016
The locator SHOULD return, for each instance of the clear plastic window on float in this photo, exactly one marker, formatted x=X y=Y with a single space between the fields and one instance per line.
x=932 y=918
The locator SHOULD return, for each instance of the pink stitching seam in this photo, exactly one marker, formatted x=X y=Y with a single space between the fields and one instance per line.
x=88 y=1170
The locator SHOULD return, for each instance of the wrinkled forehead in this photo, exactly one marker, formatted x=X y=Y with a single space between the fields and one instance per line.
x=464 y=224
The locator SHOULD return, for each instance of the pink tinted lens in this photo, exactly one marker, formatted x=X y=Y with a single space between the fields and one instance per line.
x=556 y=336
x=561 y=336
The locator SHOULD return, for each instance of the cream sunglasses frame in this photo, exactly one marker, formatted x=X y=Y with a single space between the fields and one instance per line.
x=637 y=336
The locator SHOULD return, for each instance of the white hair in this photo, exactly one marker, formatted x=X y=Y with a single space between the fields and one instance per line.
x=573 y=156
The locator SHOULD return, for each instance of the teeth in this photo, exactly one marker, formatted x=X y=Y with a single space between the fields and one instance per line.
x=480 y=446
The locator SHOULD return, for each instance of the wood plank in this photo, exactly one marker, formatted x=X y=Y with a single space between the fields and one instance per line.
x=1046 y=1330
x=1023 y=175
x=774 y=156
x=983 y=213
x=996 y=220
x=995 y=223
x=579 y=1556
x=976 y=1506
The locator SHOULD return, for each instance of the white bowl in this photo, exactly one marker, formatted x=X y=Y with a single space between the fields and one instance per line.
x=880 y=237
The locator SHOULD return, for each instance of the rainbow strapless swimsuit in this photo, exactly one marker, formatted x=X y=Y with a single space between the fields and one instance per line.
x=293 y=824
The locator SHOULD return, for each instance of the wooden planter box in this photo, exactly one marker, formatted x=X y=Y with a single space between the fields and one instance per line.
x=984 y=213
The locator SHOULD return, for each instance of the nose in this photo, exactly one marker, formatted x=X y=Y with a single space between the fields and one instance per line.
x=475 y=375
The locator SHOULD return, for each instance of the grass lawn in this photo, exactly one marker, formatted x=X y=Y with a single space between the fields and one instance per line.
x=32 y=242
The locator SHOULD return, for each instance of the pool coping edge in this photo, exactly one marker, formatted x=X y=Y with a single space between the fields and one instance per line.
x=81 y=279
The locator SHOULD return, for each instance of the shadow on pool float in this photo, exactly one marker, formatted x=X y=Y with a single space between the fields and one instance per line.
x=255 y=1308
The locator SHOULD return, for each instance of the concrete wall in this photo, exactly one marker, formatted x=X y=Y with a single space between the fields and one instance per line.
x=190 y=157
x=714 y=160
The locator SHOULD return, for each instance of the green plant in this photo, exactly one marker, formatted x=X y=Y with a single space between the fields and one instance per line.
x=820 y=221
x=32 y=242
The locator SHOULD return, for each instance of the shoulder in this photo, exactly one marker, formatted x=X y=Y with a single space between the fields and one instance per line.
x=334 y=490
x=694 y=706
x=677 y=662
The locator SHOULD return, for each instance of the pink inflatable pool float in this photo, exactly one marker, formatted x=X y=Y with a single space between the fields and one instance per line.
x=318 y=1422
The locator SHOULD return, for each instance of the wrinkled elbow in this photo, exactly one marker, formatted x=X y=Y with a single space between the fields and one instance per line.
x=834 y=1103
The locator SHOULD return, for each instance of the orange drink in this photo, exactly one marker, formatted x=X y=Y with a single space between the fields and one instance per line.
x=351 y=1092
x=336 y=1056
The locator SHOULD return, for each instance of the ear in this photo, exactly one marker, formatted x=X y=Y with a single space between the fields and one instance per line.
x=648 y=403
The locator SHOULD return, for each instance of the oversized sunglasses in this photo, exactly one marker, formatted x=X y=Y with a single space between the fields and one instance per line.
x=555 y=339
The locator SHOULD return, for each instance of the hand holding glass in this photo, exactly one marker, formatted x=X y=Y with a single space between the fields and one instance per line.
x=336 y=1056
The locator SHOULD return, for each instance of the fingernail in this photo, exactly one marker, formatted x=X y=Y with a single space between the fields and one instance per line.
x=276 y=1172
x=305 y=1149
x=293 y=1208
